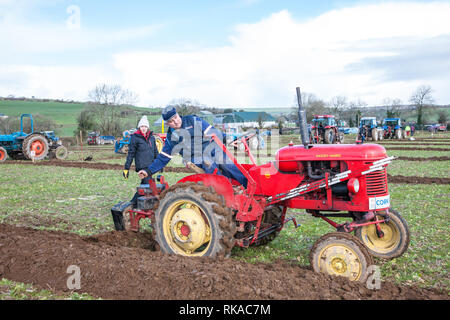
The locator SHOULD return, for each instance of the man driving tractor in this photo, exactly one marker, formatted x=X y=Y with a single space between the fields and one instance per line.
x=190 y=136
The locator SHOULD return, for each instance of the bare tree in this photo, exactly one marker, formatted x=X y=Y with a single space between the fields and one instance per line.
x=105 y=100
x=311 y=104
x=186 y=106
x=337 y=105
x=421 y=98
x=393 y=107
x=112 y=95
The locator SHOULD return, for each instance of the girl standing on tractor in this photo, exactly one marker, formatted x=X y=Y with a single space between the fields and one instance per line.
x=142 y=150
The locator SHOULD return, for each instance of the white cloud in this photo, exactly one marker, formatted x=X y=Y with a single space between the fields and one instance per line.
x=350 y=51
x=266 y=60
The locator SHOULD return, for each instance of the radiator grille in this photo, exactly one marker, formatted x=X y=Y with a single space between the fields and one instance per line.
x=376 y=183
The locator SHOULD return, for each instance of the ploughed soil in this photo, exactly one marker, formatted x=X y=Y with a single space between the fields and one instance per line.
x=123 y=265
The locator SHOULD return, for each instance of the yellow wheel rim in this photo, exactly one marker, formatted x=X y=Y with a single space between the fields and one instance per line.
x=186 y=228
x=159 y=145
x=385 y=244
x=340 y=260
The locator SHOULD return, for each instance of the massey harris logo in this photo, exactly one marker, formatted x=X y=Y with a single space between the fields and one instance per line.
x=379 y=202
x=328 y=155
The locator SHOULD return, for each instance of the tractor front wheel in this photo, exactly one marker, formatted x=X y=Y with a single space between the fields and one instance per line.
x=3 y=154
x=341 y=254
x=61 y=153
x=35 y=146
x=193 y=220
x=393 y=240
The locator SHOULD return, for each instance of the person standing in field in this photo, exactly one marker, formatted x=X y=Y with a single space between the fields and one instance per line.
x=142 y=150
x=408 y=130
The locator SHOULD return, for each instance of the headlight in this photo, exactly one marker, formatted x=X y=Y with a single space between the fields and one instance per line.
x=353 y=185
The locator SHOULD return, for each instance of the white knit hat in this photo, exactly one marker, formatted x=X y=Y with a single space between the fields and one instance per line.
x=143 y=122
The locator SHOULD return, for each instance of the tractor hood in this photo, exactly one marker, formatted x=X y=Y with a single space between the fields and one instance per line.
x=318 y=152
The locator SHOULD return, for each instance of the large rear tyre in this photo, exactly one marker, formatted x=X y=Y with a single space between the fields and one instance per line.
x=35 y=143
x=3 y=154
x=330 y=136
x=374 y=135
x=193 y=220
x=341 y=254
x=395 y=239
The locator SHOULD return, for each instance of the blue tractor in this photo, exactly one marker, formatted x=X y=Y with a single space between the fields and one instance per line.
x=369 y=129
x=32 y=145
x=393 y=128
x=121 y=144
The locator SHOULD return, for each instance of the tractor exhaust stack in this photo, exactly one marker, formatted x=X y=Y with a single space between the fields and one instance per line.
x=302 y=121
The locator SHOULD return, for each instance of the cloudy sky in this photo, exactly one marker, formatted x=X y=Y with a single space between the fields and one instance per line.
x=234 y=53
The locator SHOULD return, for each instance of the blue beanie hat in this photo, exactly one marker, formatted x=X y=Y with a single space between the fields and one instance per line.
x=168 y=112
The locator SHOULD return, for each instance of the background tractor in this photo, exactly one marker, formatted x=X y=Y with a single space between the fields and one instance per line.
x=33 y=145
x=209 y=214
x=325 y=130
x=121 y=144
x=368 y=129
x=92 y=138
x=393 y=128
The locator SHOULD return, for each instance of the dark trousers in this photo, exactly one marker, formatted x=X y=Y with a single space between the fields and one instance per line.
x=225 y=168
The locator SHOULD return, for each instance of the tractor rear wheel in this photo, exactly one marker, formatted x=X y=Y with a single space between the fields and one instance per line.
x=330 y=136
x=193 y=220
x=271 y=217
x=374 y=135
x=341 y=254
x=395 y=238
x=3 y=154
x=35 y=143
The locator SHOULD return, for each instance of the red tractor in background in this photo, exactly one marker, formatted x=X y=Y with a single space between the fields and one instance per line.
x=209 y=214
x=324 y=130
x=93 y=138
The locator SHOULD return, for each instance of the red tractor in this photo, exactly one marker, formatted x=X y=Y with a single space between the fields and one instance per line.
x=209 y=214
x=325 y=130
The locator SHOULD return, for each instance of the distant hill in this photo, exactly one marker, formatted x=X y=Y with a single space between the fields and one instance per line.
x=65 y=113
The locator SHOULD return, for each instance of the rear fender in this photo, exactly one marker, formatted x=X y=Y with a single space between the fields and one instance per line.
x=220 y=184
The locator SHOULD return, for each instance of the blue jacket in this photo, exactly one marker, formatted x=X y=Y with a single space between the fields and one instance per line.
x=195 y=129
